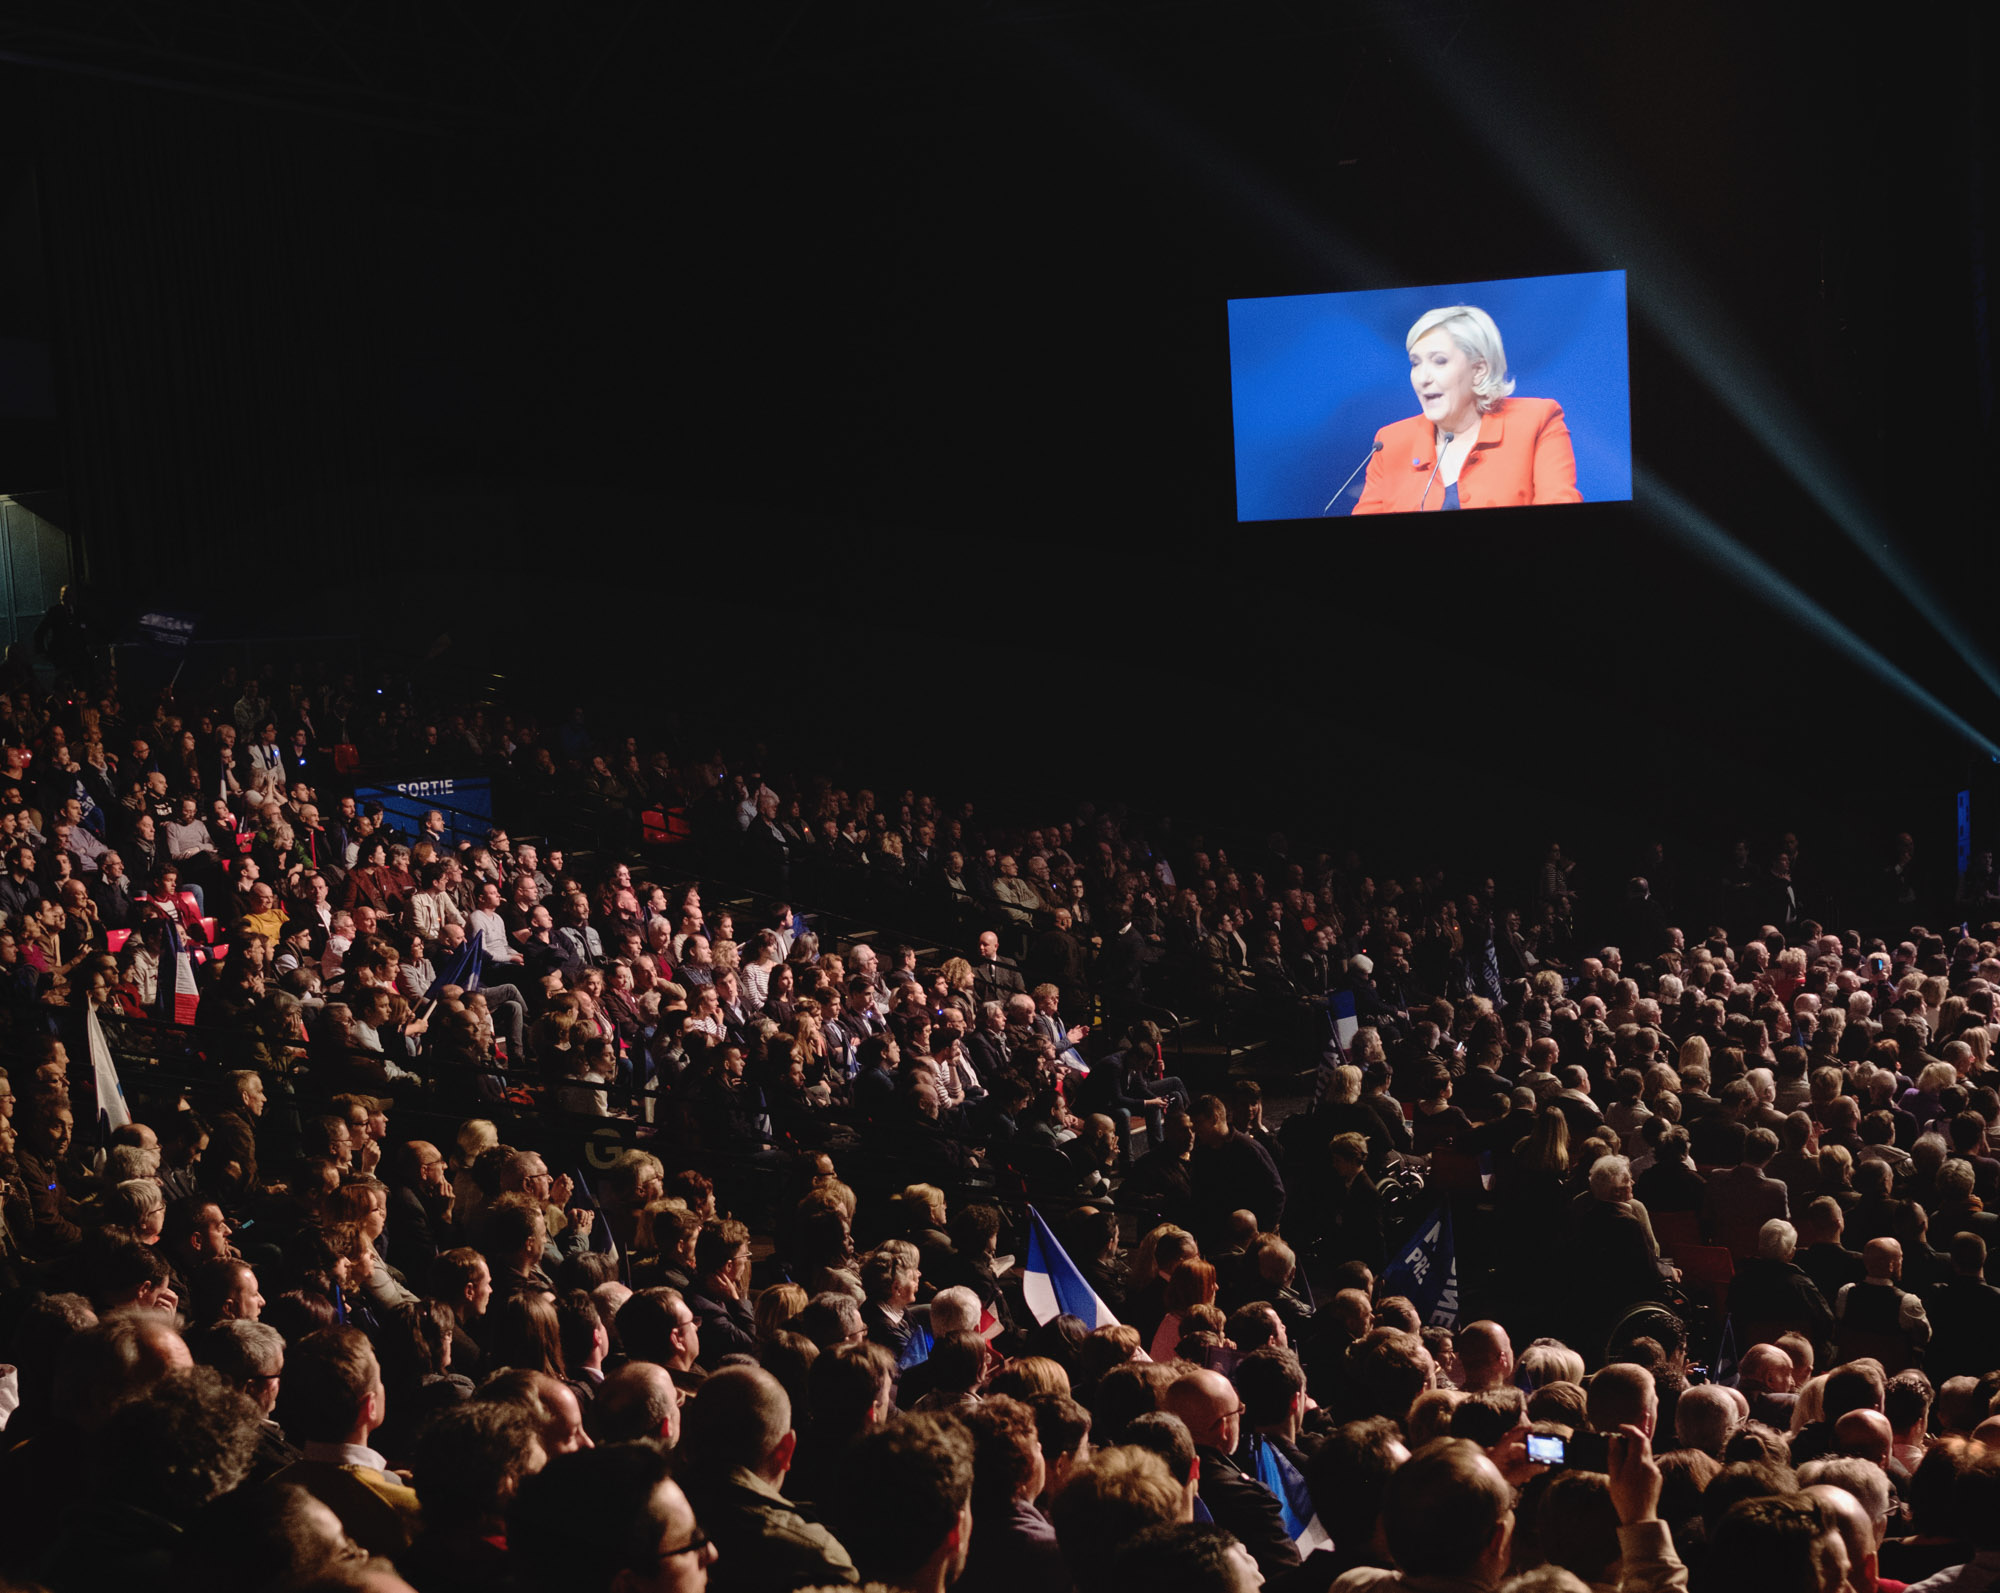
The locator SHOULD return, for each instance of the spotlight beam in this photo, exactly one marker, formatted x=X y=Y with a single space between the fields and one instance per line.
x=1555 y=165
x=1683 y=519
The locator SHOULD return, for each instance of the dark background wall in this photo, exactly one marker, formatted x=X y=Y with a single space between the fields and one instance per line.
x=832 y=373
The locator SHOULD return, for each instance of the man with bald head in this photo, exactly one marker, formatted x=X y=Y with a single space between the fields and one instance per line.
x=1236 y=1501
x=637 y=1401
x=1857 y=1532
x=1865 y=1435
x=1877 y=1314
x=1765 y=1378
x=738 y=1441
x=1705 y=1418
x=1485 y=1356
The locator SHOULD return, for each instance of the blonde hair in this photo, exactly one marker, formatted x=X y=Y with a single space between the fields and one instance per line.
x=929 y=1199
x=1037 y=1374
x=1472 y=329
x=776 y=1306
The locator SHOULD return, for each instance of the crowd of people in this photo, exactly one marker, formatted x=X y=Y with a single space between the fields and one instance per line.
x=326 y=1293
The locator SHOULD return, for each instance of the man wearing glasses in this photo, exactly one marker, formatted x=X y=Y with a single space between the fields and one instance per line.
x=608 y=1519
x=1237 y=1501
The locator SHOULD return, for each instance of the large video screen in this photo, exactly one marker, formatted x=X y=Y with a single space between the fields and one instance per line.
x=1465 y=395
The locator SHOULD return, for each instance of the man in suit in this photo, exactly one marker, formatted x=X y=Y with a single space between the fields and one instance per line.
x=994 y=977
x=1741 y=1199
x=334 y=1400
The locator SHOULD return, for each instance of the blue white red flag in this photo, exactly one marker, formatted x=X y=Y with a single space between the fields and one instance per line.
x=179 y=999
x=1341 y=1019
x=1052 y=1285
x=112 y=1112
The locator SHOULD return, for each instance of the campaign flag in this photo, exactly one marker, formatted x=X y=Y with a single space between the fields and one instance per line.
x=461 y=968
x=178 y=1000
x=93 y=815
x=112 y=1111
x=917 y=1347
x=1340 y=1017
x=1051 y=1284
x=1426 y=1271
x=1288 y=1484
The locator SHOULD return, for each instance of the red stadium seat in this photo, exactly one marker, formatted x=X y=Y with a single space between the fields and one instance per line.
x=1707 y=1270
x=1675 y=1229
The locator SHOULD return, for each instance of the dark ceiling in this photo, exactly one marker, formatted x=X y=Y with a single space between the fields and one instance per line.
x=820 y=352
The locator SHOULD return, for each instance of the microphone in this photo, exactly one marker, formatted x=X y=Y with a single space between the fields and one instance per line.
x=1441 y=447
x=1372 y=452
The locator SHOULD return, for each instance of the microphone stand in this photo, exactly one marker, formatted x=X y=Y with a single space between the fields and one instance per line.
x=1437 y=464
x=1372 y=452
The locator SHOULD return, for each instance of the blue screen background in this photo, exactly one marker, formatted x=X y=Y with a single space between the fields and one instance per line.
x=1314 y=376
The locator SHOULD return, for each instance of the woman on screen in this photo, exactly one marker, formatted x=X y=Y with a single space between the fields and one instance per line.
x=1474 y=446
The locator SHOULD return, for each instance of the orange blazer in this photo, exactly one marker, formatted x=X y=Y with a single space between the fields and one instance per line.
x=1523 y=456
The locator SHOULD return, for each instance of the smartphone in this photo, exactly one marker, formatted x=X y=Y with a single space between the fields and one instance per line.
x=1221 y=1358
x=1545 y=1448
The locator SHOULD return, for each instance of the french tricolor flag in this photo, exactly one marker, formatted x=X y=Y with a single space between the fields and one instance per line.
x=1341 y=1017
x=1051 y=1284
x=112 y=1112
x=178 y=999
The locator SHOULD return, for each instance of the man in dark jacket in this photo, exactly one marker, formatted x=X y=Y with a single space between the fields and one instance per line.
x=994 y=977
x=1236 y=1501
x=1231 y=1171
x=739 y=1441
x=1964 y=1312
x=1772 y=1294
x=419 y=1201
x=1610 y=1261
x=722 y=1275
x=1057 y=958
